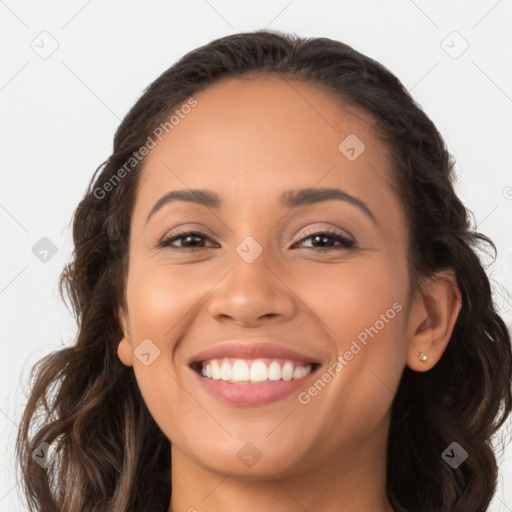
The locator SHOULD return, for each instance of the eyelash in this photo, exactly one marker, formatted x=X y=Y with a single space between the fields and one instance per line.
x=346 y=243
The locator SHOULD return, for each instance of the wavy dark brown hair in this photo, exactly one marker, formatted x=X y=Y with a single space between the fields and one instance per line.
x=108 y=454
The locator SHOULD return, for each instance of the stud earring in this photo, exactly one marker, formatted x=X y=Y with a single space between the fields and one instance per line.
x=422 y=357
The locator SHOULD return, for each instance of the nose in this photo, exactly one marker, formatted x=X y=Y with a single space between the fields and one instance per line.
x=252 y=293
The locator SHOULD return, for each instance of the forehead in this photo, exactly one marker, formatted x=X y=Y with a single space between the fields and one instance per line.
x=263 y=135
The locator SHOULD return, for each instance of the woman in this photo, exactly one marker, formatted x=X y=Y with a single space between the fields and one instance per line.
x=279 y=300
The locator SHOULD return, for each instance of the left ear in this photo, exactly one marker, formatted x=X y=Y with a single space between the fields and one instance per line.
x=433 y=315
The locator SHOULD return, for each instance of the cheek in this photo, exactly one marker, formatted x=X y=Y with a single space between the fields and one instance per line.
x=351 y=296
x=163 y=302
x=157 y=303
x=161 y=297
x=361 y=306
x=364 y=307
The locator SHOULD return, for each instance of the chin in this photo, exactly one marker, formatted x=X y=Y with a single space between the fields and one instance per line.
x=258 y=460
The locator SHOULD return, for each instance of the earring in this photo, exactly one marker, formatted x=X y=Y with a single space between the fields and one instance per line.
x=422 y=357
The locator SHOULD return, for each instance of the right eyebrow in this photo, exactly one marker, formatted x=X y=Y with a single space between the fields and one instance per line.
x=201 y=197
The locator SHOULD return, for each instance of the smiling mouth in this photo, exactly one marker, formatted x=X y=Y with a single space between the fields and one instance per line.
x=253 y=371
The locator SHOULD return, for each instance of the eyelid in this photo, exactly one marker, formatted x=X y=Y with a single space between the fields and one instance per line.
x=181 y=230
x=332 y=229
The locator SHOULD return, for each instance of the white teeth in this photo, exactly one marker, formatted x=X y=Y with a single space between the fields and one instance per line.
x=300 y=371
x=287 y=371
x=242 y=371
x=274 y=371
x=258 y=371
x=215 y=370
x=225 y=371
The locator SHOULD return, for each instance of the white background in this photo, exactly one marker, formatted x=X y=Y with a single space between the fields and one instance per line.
x=58 y=116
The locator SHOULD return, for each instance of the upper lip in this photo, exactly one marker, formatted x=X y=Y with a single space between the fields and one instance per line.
x=239 y=349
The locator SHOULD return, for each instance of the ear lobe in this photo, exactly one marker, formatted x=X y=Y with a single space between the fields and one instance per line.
x=434 y=315
x=124 y=348
x=125 y=352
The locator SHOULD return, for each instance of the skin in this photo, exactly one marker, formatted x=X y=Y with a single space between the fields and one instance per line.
x=248 y=141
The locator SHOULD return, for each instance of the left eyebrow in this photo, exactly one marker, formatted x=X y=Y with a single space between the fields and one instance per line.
x=304 y=196
x=289 y=199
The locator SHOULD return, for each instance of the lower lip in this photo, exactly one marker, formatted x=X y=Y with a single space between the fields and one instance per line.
x=251 y=394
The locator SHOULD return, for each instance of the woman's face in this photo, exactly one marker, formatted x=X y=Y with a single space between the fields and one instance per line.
x=263 y=285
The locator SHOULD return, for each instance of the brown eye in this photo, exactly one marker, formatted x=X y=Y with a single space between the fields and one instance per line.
x=326 y=240
x=190 y=240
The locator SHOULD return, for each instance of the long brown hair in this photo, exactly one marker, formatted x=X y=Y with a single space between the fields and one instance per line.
x=108 y=454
